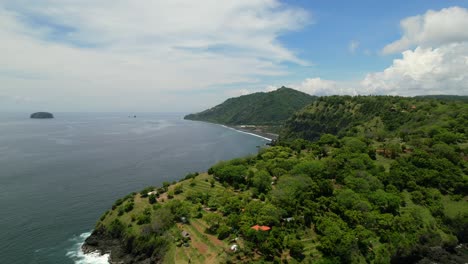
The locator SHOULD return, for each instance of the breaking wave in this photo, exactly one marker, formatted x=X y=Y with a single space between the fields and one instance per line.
x=76 y=254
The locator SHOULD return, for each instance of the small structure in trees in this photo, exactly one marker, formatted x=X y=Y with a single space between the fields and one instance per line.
x=260 y=228
x=153 y=192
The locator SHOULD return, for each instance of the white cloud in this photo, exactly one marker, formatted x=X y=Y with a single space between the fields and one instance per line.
x=442 y=70
x=271 y=88
x=432 y=29
x=437 y=65
x=127 y=52
x=321 y=87
x=353 y=46
x=421 y=71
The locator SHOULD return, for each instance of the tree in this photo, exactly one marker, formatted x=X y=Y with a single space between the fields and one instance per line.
x=296 y=249
x=262 y=181
x=163 y=219
x=311 y=168
x=231 y=173
x=213 y=220
x=152 y=199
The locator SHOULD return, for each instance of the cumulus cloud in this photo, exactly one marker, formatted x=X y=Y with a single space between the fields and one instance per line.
x=442 y=70
x=432 y=29
x=129 y=51
x=271 y=88
x=322 y=87
x=421 y=71
x=438 y=64
x=437 y=61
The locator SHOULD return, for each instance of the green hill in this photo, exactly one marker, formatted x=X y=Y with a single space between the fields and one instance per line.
x=270 y=108
x=376 y=117
x=367 y=179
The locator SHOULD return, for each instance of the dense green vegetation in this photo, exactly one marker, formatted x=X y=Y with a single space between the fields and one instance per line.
x=352 y=180
x=462 y=98
x=379 y=118
x=271 y=108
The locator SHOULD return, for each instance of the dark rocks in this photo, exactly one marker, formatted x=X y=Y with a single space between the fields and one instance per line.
x=100 y=241
x=42 y=115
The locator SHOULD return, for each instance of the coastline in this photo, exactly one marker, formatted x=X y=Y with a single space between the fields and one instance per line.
x=98 y=245
x=253 y=131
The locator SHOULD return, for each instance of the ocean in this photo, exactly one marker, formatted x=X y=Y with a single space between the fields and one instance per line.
x=57 y=176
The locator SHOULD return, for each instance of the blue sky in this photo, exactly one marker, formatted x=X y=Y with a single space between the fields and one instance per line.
x=373 y=24
x=186 y=56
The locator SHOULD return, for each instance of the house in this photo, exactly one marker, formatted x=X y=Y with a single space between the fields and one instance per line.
x=260 y=228
x=153 y=193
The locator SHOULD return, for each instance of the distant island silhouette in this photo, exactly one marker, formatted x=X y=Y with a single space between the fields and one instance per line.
x=42 y=115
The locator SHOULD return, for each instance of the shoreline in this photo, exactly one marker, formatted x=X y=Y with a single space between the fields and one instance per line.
x=99 y=246
x=261 y=134
x=252 y=130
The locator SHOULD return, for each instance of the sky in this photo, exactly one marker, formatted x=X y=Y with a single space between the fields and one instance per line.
x=186 y=56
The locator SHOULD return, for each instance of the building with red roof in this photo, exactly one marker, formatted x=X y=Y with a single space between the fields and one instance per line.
x=261 y=228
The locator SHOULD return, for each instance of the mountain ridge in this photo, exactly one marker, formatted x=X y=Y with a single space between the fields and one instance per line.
x=262 y=108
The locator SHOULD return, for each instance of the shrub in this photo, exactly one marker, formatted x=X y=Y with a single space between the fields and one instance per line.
x=152 y=199
x=170 y=195
x=143 y=219
x=223 y=232
x=128 y=206
x=179 y=189
x=117 y=203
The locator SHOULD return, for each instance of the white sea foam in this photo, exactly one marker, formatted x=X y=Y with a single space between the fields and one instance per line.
x=76 y=254
x=248 y=133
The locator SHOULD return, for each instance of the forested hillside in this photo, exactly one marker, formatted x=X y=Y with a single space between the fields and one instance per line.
x=352 y=180
x=270 y=108
x=379 y=117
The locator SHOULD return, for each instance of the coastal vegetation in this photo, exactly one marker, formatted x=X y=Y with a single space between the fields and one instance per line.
x=365 y=179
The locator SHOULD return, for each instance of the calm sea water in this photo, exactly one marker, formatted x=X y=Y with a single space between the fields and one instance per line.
x=58 y=176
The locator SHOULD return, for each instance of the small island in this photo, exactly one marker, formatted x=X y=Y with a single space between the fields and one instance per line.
x=42 y=115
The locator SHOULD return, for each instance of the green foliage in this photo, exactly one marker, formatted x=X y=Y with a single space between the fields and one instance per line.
x=261 y=181
x=376 y=117
x=223 y=232
x=178 y=189
x=296 y=249
x=128 y=206
x=213 y=220
x=230 y=173
x=152 y=199
x=144 y=218
x=115 y=228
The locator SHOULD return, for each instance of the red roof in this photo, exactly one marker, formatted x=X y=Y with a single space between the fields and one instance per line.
x=263 y=228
